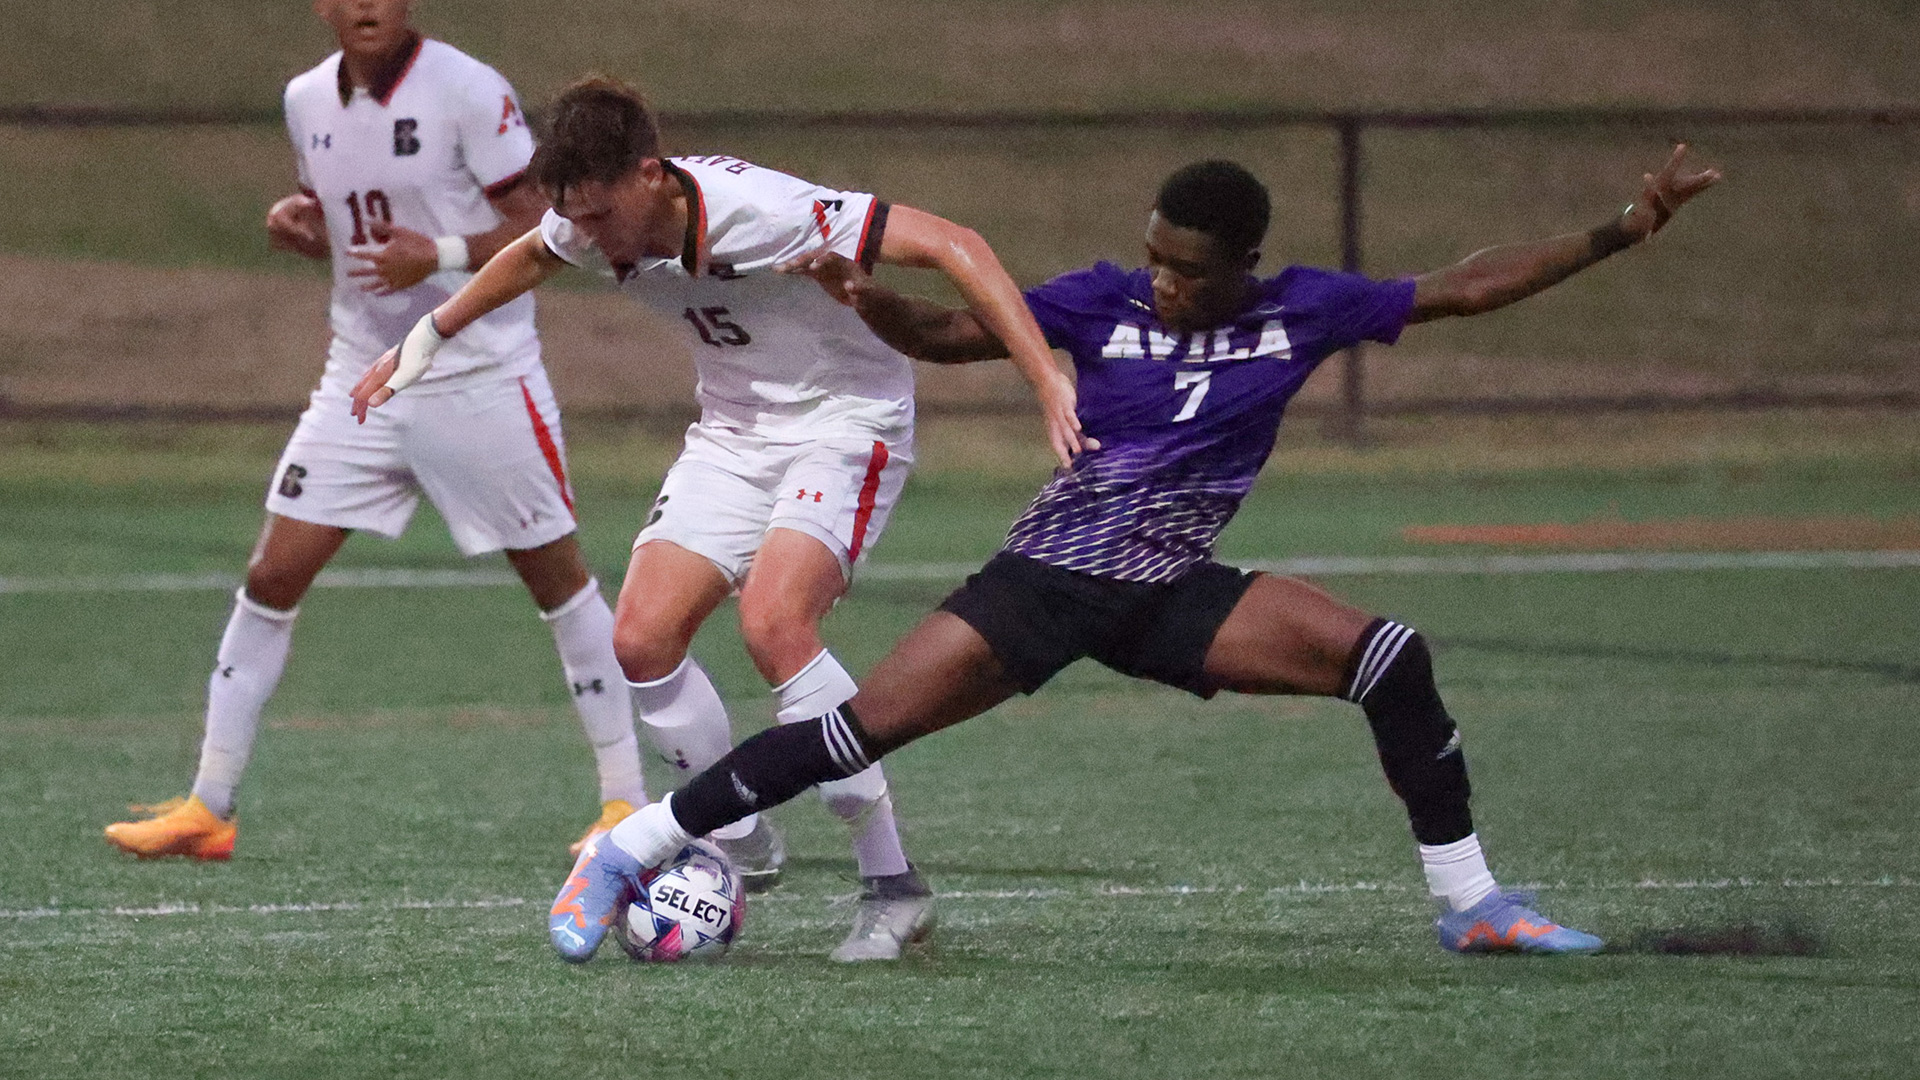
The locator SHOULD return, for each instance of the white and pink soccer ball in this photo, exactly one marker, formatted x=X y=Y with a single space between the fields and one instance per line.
x=688 y=909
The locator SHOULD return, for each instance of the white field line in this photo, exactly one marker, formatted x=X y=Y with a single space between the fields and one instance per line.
x=1304 y=566
x=1304 y=889
x=370 y=578
x=1313 y=888
x=256 y=909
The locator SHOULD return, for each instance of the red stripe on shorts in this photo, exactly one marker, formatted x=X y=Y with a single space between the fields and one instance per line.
x=869 y=490
x=548 y=448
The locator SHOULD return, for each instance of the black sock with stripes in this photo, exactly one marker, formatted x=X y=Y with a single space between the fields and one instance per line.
x=770 y=768
x=1390 y=677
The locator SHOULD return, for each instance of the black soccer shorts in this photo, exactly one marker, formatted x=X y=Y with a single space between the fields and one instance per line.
x=1039 y=618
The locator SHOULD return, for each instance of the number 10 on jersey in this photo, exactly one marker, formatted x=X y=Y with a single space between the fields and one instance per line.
x=378 y=210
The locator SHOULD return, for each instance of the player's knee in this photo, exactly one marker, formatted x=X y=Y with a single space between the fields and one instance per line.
x=276 y=586
x=777 y=638
x=646 y=652
x=1390 y=659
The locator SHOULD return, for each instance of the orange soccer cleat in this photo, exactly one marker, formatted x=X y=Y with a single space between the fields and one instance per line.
x=176 y=827
x=612 y=812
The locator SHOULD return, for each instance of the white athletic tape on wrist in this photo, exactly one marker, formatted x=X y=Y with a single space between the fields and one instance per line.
x=416 y=352
x=453 y=252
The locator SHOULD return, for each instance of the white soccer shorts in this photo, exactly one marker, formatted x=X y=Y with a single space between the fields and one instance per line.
x=488 y=453
x=728 y=487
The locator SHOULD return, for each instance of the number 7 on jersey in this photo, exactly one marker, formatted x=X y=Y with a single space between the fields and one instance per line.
x=1195 y=383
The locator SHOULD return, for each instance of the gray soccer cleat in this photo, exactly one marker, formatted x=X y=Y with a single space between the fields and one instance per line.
x=894 y=912
x=758 y=856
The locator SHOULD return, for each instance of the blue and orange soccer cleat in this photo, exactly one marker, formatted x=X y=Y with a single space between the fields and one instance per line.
x=1504 y=923
x=604 y=880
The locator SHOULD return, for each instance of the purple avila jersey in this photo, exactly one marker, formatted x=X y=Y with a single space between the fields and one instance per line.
x=1185 y=421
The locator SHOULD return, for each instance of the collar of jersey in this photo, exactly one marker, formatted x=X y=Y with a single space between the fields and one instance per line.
x=1138 y=291
x=696 y=237
x=387 y=79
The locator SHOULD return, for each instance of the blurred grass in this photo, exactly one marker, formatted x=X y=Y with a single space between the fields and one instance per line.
x=630 y=457
x=125 y=498
x=1792 y=274
x=969 y=54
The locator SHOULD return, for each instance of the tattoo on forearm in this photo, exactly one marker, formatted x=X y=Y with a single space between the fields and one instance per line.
x=1604 y=240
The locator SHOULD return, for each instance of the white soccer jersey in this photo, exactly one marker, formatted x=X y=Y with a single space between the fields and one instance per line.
x=422 y=149
x=768 y=348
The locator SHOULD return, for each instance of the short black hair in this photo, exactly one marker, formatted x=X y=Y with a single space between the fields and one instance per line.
x=598 y=130
x=1218 y=198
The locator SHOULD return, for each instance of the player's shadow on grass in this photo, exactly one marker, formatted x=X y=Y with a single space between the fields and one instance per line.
x=1905 y=673
x=1740 y=939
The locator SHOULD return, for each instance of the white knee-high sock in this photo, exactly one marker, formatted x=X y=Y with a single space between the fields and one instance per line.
x=583 y=633
x=1457 y=873
x=687 y=723
x=253 y=653
x=861 y=800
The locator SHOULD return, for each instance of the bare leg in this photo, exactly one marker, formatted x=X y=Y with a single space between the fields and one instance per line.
x=553 y=573
x=1285 y=637
x=1288 y=637
x=793 y=584
x=288 y=556
x=941 y=673
x=668 y=593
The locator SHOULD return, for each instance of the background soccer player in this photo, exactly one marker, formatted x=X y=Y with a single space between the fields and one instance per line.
x=1184 y=369
x=804 y=440
x=412 y=157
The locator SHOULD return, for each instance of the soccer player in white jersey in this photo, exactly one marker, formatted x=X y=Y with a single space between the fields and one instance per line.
x=804 y=441
x=412 y=164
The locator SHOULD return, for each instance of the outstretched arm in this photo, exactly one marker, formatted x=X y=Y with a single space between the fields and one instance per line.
x=1498 y=276
x=919 y=239
x=516 y=269
x=918 y=328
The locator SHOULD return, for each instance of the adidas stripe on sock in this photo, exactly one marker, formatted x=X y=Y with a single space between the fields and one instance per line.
x=1381 y=650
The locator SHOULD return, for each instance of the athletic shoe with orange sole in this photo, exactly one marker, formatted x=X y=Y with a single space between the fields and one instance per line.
x=604 y=880
x=612 y=812
x=177 y=827
x=1504 y=923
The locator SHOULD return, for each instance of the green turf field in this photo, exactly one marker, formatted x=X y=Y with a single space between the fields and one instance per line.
x=1793 y=275
x=1136 y=884
x=964 y=54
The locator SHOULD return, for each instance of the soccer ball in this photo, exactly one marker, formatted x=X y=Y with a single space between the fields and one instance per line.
x=689 y=909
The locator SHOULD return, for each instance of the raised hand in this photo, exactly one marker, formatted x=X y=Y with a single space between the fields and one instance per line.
x=403 y=259
x=1664 y=193
x=297 y=224
x=1059 y=407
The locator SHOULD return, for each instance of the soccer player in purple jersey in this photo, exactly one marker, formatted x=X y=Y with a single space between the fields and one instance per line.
x=1184 y=369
